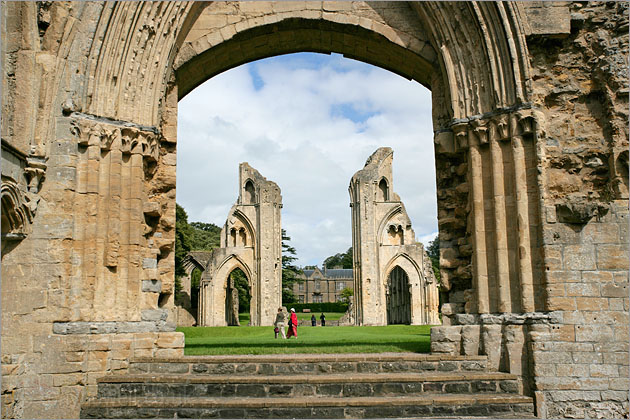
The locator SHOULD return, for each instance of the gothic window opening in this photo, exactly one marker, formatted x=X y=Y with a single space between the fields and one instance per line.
x=250 y=193
x=383 y=191
x=232 y=237
x=398 y=297
x=242 y=237
x=237 y=299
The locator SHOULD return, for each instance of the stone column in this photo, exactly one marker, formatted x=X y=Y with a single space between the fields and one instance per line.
x=500 y=228
x=522 y=208
x=480 y=262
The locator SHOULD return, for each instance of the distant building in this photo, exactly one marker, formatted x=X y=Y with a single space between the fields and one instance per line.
x=319 y=286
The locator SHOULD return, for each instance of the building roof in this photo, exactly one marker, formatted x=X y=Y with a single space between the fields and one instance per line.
x=202 y=257
x=332 y=273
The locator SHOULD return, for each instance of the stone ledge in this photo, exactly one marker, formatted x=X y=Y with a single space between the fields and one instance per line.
x=111 y=327
x=293 y=358
x=428 y=399
x=311 y=379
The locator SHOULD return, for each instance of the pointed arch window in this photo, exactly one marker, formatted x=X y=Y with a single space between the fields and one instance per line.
x=383 y=190
x=250 y=193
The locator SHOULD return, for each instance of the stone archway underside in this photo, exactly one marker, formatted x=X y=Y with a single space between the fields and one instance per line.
x=532 y=202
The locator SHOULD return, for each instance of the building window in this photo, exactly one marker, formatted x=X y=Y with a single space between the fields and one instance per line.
x=318 y=285
x=341 y=285
x=301 y=298
x=317 y=298
x=301 y=287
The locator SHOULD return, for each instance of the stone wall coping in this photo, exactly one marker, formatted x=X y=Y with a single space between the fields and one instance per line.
x=291 y=358
x=314 y=379
x=432 y=399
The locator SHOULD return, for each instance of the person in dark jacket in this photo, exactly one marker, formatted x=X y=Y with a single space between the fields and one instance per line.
x=322 y=317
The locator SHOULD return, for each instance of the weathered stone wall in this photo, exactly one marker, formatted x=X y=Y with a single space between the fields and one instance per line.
x=576 y=350
x=580 y=83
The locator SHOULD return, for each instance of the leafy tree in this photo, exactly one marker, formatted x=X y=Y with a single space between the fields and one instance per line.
x=241 y=284
x=343 y=260
x=193 y=236
x=434 y=254
x=205 y=236
x=195 y=278
x=346 y=294
x=290 y=271
x=183 y=235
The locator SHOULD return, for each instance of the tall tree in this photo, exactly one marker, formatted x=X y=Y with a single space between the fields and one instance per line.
x=183 y=235
x=290 y=271
x=343 y=260
x=434 y=254
x=205 y=236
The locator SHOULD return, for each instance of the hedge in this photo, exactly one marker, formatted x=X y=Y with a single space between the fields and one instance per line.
x=319 y=307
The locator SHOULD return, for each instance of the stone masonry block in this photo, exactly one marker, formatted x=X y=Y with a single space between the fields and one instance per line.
x=491 y=339
x=593 y=333
x=612 y=290
x=470 y=339
x=154 y=314
x=579 y=257
x=582 y=289
x=612 y=257
x=604 y=370
x=154 y=286
x=149 y=263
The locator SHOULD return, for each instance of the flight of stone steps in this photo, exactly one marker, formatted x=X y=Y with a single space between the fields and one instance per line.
x=310 y=386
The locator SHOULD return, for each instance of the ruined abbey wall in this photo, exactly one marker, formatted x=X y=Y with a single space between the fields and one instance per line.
x=383 y=241
x=530 y=118
x=251 y=240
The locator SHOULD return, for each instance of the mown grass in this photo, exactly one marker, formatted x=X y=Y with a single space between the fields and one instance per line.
x=260 y=340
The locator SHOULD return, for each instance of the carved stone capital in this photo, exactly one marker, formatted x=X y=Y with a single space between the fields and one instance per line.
x=526 y=122
x=129 y=140
x=479 y=131
x=500 y=128
x=18 y=210
x=460 y=131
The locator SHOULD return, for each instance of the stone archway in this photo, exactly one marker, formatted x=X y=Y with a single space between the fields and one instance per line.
x=91 y=95
x=398 y=297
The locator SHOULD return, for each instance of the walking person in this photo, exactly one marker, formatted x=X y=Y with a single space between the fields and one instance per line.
x=313 y=320
x=279 y=323
x=292 y=325
x=322 y=318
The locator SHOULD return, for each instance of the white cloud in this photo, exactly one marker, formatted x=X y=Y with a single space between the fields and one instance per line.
x=307 y=122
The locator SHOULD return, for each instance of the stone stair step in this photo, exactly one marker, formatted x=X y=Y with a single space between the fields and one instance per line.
x=427 y=405
x=302 y=385
x=282 y=364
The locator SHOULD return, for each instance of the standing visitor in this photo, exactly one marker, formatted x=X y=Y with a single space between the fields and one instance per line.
x=313 y=320
x=292 y=325
x=280 y=318
x=322 y=317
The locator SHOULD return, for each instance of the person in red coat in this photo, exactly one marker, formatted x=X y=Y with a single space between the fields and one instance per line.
x=292 y=332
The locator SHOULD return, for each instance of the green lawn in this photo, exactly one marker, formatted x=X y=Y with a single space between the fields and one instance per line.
x=260 y=340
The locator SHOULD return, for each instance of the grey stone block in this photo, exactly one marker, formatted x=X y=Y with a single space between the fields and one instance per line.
x=78 y=328
x=154 y=314
x=154 y=286
x=60 y=328
x=149 y=263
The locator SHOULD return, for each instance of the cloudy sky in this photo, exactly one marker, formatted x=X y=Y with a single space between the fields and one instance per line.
x=307 y=122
